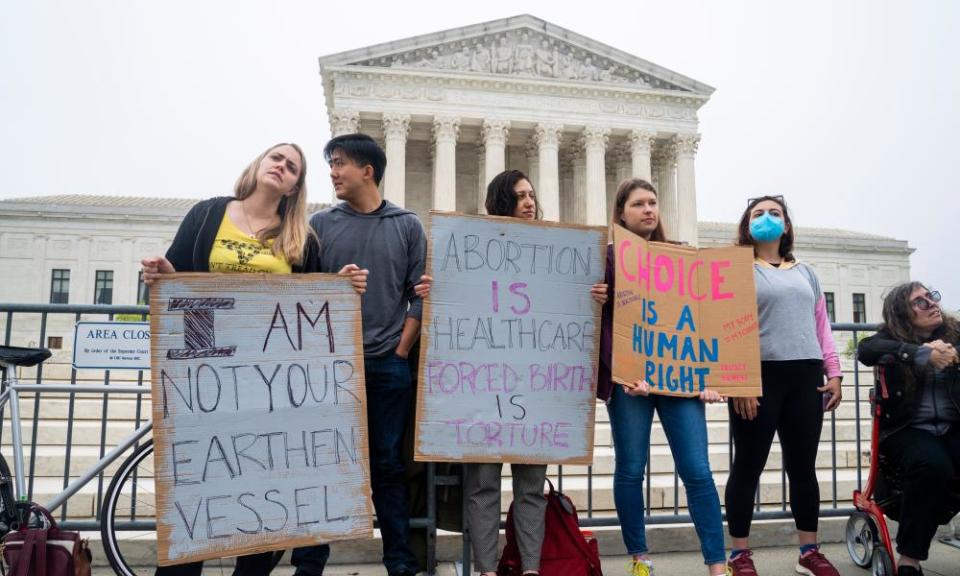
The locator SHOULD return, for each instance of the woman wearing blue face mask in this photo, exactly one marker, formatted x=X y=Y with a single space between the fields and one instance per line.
x=797 y=352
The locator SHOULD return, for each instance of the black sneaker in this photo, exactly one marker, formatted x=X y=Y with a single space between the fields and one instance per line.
x=909 y=571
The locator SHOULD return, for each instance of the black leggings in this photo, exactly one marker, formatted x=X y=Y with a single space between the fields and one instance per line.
x=929 y=464
x=792 y=407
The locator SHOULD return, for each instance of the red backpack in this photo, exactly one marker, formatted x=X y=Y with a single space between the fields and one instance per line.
x=565 y=551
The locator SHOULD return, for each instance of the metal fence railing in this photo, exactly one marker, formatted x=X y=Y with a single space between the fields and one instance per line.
x=36 y=324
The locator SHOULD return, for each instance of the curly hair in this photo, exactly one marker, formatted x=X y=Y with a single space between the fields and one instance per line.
x=898 y=312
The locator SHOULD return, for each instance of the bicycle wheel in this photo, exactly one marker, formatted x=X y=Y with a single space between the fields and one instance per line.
x=131 y=498
x=8 y=502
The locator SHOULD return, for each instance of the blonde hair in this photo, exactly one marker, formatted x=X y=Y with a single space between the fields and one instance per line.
x=290 y=235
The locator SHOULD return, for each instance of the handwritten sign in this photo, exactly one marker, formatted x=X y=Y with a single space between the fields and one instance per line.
x=112 y=345
x=685 y=319
x=510 y=341
x=259 y=414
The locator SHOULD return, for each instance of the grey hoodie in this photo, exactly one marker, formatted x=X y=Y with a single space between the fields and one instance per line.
x=390 y=242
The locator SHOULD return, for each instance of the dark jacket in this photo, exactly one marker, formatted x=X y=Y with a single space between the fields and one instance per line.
x=605 y=369
x=190 y=250
x=904 y=378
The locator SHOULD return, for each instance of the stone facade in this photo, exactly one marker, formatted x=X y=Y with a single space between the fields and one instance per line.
x=454 y=108
x=86 y=234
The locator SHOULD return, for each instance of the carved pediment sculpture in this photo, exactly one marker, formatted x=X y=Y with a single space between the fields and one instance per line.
x=523 y=53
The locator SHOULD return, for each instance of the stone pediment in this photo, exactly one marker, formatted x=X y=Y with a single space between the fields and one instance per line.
x=519 y=47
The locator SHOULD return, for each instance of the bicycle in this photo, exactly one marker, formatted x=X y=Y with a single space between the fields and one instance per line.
x=130 y=493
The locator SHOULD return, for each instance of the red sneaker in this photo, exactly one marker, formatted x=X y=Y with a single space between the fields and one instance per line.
x=742 y=565
x=814 y=563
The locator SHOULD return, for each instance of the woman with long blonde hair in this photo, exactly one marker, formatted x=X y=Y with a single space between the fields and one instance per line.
x=261 y=228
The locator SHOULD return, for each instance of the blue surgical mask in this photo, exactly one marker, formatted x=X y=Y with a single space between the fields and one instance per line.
x=766 y=228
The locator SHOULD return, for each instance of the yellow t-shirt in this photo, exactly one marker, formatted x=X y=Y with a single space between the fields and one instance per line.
x=234 y=251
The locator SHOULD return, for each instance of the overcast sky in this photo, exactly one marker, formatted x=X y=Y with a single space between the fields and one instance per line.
x=851 y=109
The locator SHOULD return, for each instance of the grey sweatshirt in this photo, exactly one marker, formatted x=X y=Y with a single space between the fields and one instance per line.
x=390 y=242
x=786 y=302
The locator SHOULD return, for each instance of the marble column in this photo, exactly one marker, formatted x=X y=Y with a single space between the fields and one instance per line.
x=594 y=147
x=533 y=162
x=624 y=162
x=482 y=179
x=666 y=194
x=641 y=143
x=493 y=135
x=685 y=150
x=446 y=129
x=548 y=135
x=565 y=171
x=344 y=121
x=396 y=127
x=578 y=202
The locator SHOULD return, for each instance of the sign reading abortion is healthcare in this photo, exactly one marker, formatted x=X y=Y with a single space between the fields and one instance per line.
x=685 y=319
x=508 y=360
x=259 y=416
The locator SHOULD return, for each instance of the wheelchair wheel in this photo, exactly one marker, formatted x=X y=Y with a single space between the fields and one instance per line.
x=862 y=537
x=882 y=563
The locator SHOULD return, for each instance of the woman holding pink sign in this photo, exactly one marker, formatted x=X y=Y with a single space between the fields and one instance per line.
x=796 y=352
x=631 y=409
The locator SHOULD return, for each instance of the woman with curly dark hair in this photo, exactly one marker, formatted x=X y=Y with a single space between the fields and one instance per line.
x=920 y=428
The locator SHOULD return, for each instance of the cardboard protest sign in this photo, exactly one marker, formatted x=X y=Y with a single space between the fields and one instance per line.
x=685 y=319
x=510 y=338
x=259 y=414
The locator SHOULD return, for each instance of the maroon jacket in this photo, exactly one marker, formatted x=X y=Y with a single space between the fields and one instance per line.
x=604 y=384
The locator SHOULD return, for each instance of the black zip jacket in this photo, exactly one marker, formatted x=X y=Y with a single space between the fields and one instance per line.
x=904 y=379
x=190 y=250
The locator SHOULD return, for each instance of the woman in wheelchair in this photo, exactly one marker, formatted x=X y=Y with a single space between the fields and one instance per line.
x=916 y=348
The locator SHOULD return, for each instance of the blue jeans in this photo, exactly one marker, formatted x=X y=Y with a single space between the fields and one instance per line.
x=684 y=421
x=389 y=387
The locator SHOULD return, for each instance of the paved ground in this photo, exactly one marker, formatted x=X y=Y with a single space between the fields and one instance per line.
x=944 y=561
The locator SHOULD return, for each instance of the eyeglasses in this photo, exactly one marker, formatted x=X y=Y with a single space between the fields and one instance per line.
x=758 y=199
x=927 y=301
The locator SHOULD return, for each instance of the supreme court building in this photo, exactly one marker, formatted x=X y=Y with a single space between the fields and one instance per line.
x=454 y=108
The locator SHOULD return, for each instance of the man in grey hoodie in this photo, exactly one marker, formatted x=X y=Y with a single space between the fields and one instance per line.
x=390 y=242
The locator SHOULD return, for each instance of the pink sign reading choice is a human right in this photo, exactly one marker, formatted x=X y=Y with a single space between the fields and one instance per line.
x=685 y=319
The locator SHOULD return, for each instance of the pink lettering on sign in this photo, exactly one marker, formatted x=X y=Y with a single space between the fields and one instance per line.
x=671 y=275
x=716 y=280
x=489 y=433
x=622 y=260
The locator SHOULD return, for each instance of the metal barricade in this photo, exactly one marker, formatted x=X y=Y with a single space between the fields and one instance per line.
x=30 y=324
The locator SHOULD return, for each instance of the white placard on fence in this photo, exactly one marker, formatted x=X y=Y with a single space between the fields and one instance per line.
x=112 y=345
